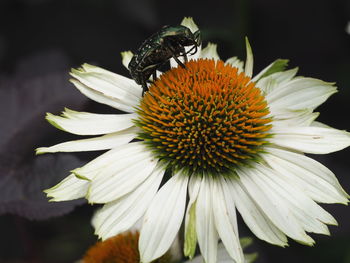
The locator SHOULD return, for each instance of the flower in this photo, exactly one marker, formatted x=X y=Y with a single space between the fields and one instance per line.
x=122 y=248
x=231 y=140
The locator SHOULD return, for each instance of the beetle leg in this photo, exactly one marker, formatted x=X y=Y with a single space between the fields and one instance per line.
x=184 y=53
x=194 y=52
x=185 y=57
x=144 y=87
x=174 y=53
x=179 y=61
x=154 y=75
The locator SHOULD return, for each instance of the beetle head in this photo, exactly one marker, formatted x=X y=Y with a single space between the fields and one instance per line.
x=197 y=38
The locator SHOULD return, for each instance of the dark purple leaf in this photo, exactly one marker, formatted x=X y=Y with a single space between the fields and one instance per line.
x=40 y=85
x=22 y=193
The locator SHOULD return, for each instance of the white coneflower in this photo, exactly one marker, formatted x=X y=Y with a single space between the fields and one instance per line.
x=228 y=139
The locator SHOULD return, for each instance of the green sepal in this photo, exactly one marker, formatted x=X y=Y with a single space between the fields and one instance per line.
x=245 y=242
x=250 y=258
x=190 y=233
x=277 y=66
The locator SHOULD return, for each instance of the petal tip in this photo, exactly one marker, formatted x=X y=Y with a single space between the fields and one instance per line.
x=41 y=150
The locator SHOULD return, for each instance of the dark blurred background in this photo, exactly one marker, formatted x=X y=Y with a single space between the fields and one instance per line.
x=40 y=40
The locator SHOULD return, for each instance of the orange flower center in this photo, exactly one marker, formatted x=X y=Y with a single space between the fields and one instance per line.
x=205 y=118
x=122 y=248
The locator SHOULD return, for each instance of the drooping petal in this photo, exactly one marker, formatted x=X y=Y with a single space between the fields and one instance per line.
x=69 y=188
x=163 y=218
x=310 y=176
x=190 y=217
x=102 y=98
x=85 y=123
x=254 y=216
x=223 y=256
x=118 y=216
x=310 y=215
x=224 y=211
x=318 y=140
x=312 y=91
x=205 y=223
x=115 y=180
x=105 y=142
x=210 y=52
x=274 y=206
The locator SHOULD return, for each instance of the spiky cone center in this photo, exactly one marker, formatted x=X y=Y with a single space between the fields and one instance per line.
x=205 y=118
x=122 y=248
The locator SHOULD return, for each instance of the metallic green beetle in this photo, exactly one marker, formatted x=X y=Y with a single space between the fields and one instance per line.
x=169 y=42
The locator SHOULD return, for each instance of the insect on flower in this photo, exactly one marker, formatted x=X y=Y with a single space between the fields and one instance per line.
x=167 y=43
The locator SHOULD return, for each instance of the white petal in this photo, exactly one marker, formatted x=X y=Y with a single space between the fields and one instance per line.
x=235 y=62
x=190 y=233
x=225 y=219
x=205 y=223
x=300 y=93
x=90 y=170
x=270 y=201
x=317 y=140
x=309 y=214
x=126 y=57
x=102 y=98
x=347 y=28
x=93 y=144
x=108 y=83
x=248 y=68
x=254 y=216
x=163 y=219
x=115 y=180
x=125 y=83
x=120 y=215
x=210 y=52
x=319 y=124
x=188 y=22
x=223 y=256
x=292 y=118
x=270 y=83
x=85 y=123
x=307 y=174
x=69 y=188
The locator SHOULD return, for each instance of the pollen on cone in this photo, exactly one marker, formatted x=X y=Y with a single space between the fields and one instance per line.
x=206 y=117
